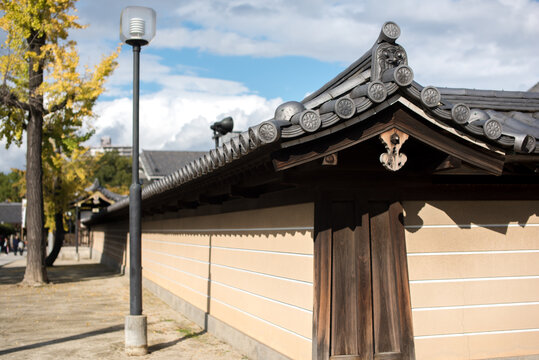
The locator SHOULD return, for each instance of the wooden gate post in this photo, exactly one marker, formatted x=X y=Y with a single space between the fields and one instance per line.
x=361 y=291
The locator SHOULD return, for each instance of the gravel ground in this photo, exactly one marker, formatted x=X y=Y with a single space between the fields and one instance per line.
x=80 y=315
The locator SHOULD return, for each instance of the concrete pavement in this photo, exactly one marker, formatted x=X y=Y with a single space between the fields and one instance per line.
x=81 y=314
x=11 y=257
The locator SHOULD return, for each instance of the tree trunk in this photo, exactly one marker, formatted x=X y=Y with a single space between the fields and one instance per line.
x=35 y=269
x=58 y=239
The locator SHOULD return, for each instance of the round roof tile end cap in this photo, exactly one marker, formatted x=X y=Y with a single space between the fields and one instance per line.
x=390 y=32
x=460 y=113
x=268 y=132
x=431 y=96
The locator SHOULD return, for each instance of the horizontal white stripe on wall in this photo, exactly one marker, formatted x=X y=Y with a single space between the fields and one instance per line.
x=264 y=251
x=229 y=248
x=475 y=279
x=467 y=226
x=176 y=231
x=473 y=252
x=229 y=267
x=225 y=285
x=174 y=243
x=262 y=320
x=476 y=333
x=474 y=306
x=176 y=282
x=174 y=256
x=263 y=297
x=263 y=274
x=178 y=270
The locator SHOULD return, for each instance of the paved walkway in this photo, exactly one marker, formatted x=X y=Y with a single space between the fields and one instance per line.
x=9 y=258
x=80 y=315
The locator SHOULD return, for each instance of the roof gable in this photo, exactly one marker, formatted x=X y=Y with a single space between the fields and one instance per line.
x=508 y=119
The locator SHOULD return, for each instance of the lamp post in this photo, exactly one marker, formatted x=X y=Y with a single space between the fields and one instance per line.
x=137 y=28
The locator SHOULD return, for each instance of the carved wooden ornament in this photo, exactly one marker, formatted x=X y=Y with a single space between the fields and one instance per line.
x=393 y=139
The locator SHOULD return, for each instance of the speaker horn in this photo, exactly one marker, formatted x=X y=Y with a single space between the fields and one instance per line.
x=224 y=126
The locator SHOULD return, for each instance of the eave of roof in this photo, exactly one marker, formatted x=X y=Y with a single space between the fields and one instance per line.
x=504 y=122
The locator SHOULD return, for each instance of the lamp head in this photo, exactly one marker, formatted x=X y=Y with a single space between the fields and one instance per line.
x=224 y=126
x=137 y=25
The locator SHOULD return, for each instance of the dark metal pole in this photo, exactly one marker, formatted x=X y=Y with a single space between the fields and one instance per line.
x=76 y=231
x=135 y=266
x=216 y=138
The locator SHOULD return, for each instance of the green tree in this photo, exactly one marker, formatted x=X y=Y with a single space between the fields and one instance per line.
x=113 y=172
x=10 y=188
x=43 y=93
x=65 y=178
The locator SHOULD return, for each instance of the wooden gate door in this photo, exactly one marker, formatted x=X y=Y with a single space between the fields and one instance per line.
x=361 y=293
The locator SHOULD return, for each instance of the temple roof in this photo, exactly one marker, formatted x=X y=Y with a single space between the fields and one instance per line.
x=96 y=194
x=503 y=123
x=159 y=163
x=10 y=213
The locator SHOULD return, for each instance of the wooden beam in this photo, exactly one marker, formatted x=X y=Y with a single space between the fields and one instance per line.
x=399 y=119
x=294 y=156
x=489 y=161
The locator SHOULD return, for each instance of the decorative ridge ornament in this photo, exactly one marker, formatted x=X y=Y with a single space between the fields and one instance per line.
x=386 y=54
x=393 y=139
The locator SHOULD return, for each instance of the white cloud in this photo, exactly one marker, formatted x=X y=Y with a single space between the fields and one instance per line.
x=14 y=157
x=312 y=27
x=180 y=115
x=480 y=44
x=449 y=42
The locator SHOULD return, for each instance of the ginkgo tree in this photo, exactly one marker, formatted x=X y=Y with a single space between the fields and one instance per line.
x=66 y=175
x=43 y=92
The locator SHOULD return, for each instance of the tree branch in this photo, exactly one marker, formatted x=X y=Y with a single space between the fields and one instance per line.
x=56 y=107
x=8 y=98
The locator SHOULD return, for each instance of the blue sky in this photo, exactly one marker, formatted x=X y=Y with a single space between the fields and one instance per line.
x=215 y=58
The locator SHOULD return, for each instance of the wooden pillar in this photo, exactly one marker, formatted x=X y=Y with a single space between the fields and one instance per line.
x=322 y=281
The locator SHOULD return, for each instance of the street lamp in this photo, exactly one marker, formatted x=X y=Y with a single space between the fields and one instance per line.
x=137 y=28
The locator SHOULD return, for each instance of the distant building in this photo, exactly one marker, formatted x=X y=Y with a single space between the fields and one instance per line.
x=95 y=199
x=156 y=164
x=106 y=146
x=11 y=213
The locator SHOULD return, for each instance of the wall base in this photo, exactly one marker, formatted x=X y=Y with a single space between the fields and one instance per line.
x=242 y=342
x=107 y=261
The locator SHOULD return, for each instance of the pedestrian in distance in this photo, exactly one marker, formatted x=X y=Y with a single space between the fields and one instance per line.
x=15 y=244
x=20 y=245
x=5 y=245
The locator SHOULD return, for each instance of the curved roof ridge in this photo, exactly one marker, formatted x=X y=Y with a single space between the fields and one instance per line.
x=489 y=93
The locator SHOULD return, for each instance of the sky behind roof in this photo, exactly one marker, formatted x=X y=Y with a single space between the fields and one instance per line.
x=242 y=58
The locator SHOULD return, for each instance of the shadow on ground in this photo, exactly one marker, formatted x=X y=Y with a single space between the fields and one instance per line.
x=64 y=339
x=60 y=274
x=167 y=344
